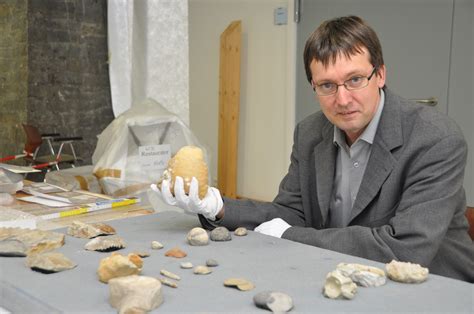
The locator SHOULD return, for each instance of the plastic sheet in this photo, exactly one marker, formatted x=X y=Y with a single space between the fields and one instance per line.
x=134 y=149
x=79 y=178
x=10 y=182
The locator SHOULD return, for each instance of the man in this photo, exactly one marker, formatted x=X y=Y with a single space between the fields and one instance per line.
x=372 y=175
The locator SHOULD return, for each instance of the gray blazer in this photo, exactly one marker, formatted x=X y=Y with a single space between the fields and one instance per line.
x=411 y=202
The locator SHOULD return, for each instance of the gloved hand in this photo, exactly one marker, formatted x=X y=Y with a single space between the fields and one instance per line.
x=209 y=206
x=275 y=227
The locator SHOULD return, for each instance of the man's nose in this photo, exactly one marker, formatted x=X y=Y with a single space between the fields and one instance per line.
x=343 y=96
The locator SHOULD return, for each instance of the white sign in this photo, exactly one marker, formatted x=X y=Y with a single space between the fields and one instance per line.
x=154 y=157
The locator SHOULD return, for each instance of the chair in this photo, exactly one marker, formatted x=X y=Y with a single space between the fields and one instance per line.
x=34 y=144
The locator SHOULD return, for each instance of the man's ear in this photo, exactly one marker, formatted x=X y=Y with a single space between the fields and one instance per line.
x=381 y=75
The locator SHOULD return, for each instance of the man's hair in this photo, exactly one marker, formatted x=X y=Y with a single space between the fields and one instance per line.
x=346 y=36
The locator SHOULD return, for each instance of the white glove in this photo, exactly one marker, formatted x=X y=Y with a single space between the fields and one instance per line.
x=209 y=206
x=275 y=227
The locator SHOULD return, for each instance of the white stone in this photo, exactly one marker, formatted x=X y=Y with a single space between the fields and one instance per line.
x=363 y=275
x=197 y=237
x=155 y=245
x=186 y=265
x=339 y=286
x=406 y=272
x=135 y=294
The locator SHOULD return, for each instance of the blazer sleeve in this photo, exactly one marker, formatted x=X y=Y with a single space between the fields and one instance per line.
x=249 y=213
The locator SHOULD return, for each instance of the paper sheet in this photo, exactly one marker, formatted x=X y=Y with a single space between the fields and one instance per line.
x=44 y=201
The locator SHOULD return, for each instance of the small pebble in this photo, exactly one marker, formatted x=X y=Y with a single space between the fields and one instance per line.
x=220 y=234
x=212 y=263
x=239 y=283
x=241 y=231
x=202 y=270
x=155 y=245
x=168 y=282
x=186 y=265
x=169 y=274
x=176 y=252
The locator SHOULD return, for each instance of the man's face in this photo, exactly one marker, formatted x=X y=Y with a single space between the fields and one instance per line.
x=351 y=111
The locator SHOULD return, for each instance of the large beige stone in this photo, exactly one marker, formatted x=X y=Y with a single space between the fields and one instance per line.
x=118 y=265
x=187 y=163
x=135 y=294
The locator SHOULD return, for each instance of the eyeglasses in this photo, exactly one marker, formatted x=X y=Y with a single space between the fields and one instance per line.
x=354 y=83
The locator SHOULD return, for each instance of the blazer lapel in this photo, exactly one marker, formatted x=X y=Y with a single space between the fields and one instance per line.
x=381 y=161
x=325 y=161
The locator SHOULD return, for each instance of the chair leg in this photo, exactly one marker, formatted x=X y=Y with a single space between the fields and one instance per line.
x=73 y=154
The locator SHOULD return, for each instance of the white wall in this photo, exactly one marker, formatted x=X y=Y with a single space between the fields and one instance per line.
x=267 y=88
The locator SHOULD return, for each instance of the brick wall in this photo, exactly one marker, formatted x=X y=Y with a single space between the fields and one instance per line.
x=54 y=71
x=13 y=74
x=68 y=82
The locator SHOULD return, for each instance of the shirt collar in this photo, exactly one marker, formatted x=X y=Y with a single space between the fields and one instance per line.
x=369 y=133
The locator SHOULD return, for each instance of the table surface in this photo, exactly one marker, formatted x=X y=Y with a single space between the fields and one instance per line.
x=270 y=263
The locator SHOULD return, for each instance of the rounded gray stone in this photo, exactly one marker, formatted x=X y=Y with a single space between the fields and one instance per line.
x=212 y=263
x=221 y=234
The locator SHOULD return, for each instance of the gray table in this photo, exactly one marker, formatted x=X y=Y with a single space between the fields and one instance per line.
x=270 y=263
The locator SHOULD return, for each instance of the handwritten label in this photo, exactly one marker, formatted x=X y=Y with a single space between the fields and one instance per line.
x=154 y=157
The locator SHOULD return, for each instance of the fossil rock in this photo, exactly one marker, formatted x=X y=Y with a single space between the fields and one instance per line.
x=105 y=244
x=239 y=283
x=202 y=270
x=155 y=245
x=168 y=282
x=49 y=262
x=169 y=274
x=339 y=286
x=406 y=272
x=118 y=265
x=12 y=247
x=197 y=237
x=176 y=252
x=135 y=294
x=186 y=265
x=220 y=234
x=212 y=263
x=241 y=231
x=277 y=302
x=36 y=241
x=82 y=230
x=363 y=275
x=188 y=162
